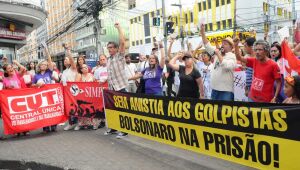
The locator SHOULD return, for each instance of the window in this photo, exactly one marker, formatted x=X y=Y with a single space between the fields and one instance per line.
x=147 y=40
x=218 y=25
x=211 y=26
x=158 y=12
x=152 y=14
x=206 y=29
x=199 y=6
x=146 y=25
x=133 y=43
x=137 y=42
x=139 y=18
x=191 y=17
x=209 y=4
x=230 y=23
x=141 y=41
x=131 y=21
x=228 y=1
x=224 y=24
x=279 y=11
x=135 y=20
x=186 y=18
x=204 y=5
x=217 y=3
x=223 y=2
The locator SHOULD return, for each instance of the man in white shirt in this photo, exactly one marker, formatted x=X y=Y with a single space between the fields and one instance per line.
x=100 y=73
x=131 y=70
x=222 y=77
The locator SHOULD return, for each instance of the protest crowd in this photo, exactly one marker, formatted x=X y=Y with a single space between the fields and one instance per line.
x=206 y=72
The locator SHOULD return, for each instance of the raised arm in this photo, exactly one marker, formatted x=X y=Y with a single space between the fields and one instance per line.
x=173 y=64
x=162 y=55
x=237 y=51
x=21 y=67
x=121 y=38
x=170 y=49
x=49 y=60
x=70 y=57
x=202 y=34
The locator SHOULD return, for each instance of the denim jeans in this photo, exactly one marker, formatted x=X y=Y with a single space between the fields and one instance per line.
x=222 y=95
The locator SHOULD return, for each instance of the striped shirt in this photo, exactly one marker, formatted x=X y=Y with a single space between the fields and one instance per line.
x=117 y=78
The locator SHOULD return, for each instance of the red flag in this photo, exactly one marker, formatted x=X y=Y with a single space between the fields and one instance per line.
x=288 y=54
x=84 y=99
x=32 y=108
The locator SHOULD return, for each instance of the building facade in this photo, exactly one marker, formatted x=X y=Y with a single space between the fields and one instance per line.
x=18 y=19
x=85 y=29
x=252 y=18
x=60 y=16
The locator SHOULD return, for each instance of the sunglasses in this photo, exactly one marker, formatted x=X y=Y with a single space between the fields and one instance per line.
x=290 y=80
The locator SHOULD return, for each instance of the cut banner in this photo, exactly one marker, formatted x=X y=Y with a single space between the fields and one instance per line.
x=84 y=99
x=259 y=135
x=29 y=109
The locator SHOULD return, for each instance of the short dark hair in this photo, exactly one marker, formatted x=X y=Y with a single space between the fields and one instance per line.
x=264 y=43
x=250 y=41
x=4 y=69
x=113 y=43
x=128 y=55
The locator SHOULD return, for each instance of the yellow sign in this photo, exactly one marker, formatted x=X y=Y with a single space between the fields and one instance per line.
x=252 y=134
x=220 y=36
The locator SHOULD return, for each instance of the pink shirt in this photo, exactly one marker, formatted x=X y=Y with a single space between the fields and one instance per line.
x=12 y=82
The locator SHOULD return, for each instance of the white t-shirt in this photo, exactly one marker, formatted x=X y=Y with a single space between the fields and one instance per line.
x=69 y=75
x=222 y=77
x=130 y=71
x=176 y=77
x=101 y=74
x=205 y=71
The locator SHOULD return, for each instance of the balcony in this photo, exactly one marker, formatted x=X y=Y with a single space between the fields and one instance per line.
x=28 y=13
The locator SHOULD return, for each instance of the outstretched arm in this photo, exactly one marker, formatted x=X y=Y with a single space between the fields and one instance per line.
x=121 y=38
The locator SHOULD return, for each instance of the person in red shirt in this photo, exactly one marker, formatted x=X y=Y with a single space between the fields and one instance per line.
x=265 y=73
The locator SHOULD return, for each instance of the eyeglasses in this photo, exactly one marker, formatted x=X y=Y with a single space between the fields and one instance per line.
x=274 y=51
x=290 y=80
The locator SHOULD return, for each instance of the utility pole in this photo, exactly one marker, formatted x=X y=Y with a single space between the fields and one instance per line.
x=294 y=11
x=164 y=24
x=269 y=21
x=234 y=20
x=96 y=9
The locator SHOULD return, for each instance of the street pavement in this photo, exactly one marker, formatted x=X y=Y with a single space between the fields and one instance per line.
x=92 y=150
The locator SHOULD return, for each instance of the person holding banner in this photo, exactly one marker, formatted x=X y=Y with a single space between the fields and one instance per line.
x=44 y=76
x=100 y=75
x=117 y=80
x=85 y=76
x=153 y=74
x=14 y=80
x=265 y=73
x=69 y=75
x=191 y=84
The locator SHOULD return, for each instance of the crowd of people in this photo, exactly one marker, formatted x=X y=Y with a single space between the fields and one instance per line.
x=206 y=72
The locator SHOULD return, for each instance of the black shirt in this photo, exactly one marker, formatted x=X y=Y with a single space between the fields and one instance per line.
x=171 y=72
x=188 y=85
